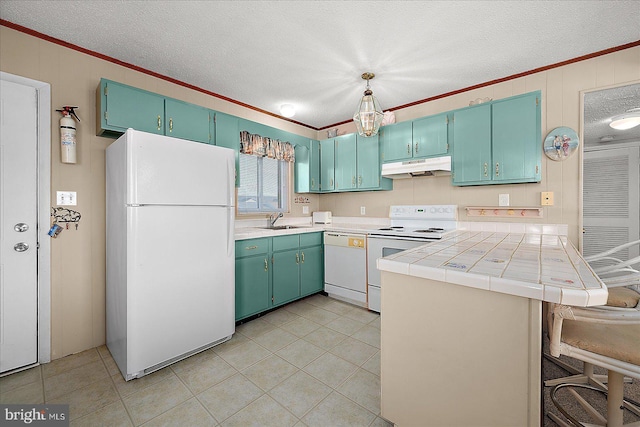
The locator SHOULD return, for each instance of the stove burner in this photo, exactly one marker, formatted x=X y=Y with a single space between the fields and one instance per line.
x=430 y=230
x=394 y=228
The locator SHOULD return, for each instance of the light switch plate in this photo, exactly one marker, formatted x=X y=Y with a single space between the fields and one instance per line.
x=305 y=209
x=362 y=210
x=66 y=198
x=546 y=198
x=503 y=200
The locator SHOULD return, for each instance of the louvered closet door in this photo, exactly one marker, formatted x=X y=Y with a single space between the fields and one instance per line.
x=611 y=200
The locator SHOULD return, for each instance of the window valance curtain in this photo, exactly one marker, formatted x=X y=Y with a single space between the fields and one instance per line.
x=266 y=147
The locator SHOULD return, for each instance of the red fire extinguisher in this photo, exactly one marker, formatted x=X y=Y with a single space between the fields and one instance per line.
x=68 y=134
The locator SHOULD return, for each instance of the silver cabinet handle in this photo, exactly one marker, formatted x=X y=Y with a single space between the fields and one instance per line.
x=486 y=167
x=170 y=125
x=21 y=227
x=159 y=123
x=302 y=257
x=266 y=265
x=297 y=258
x=408 y=148
x=20 y=247
x=416 y=148
x=250 y=248
x=497 y=169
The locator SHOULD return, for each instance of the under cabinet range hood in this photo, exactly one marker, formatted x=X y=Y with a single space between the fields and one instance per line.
x=423 y=167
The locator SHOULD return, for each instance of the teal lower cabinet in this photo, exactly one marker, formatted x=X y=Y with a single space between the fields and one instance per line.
x=285 y=276
x=311 y=270
x=272 y=271
x=253 y=293
x=252 y=286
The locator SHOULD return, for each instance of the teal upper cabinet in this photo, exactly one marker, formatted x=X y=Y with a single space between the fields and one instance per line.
x=228 y=135
x=368 y=164
x=351 y=163
x=425 y=137
x=307 y=166
x=396 y=141
x=345 y=162
x=187 y=121
x=430 y=136
x=498 y=142
x=516 y=137
x=314 y=165
x=471 y=154
x=327 y=177
x=121 y=107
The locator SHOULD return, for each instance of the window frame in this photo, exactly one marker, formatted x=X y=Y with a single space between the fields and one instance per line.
x=284 y=188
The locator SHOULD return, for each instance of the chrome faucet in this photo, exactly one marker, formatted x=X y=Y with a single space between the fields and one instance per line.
x=274 y=217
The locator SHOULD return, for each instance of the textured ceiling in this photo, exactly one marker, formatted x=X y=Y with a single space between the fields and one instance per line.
x=601 y=105
x=311 y=53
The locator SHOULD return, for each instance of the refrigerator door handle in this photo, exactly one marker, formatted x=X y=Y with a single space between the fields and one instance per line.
x=231 y=171
x=230 y=232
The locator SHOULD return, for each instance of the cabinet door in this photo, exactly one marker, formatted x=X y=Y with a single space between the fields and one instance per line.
x=186 y=121
x=430 y=136
x=516 y=139
x=128 y=107
x=307 y=167
x=311 y=270
x=228 y=135
x=285 y=276
x=252 y=286
x=302 y=172
x=471 y=156
x=345 y=162
x=314 y=166
x=327 y=151
x=396 y=142
x=368 y=162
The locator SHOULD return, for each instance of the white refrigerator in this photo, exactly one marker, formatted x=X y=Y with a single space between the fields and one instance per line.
x=170 y=250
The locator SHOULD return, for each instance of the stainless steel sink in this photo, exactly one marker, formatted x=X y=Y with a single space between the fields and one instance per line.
x=281 y=227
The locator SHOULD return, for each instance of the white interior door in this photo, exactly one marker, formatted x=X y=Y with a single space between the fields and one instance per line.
x=611 y=200
x=18 y=249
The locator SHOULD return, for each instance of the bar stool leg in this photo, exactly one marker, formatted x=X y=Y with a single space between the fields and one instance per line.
x=614 y=399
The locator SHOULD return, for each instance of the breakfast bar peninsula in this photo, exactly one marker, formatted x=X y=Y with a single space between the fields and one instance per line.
x=461 y=334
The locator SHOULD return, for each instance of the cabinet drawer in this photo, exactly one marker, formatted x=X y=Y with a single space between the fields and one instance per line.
x=251 y=247
x=310 y=239
x=282 y=243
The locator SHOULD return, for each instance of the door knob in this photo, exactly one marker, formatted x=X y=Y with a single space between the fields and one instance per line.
x=20 y=247
x=21 y=227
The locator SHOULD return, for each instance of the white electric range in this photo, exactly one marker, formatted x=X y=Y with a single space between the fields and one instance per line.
x=410 y=226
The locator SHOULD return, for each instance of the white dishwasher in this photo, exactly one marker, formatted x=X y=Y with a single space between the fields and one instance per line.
x=345 y=266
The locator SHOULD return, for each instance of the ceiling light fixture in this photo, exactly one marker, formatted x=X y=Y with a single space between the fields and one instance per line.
x=287 y=110
x=625 y=121
x=368 y=116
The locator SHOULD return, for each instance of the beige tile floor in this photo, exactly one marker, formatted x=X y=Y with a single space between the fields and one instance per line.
x=315 y=362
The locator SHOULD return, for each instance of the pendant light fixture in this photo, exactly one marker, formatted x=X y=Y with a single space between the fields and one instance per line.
x=369 y=115
x=625 y=121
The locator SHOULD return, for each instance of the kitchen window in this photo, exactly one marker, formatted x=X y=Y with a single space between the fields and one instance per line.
x=264 y=184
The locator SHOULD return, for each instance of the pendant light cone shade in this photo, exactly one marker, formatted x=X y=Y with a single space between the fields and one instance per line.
x=368 y=116
x=625 y=121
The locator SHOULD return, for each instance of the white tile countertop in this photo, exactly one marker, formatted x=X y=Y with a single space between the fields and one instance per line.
x=529 y=264
x=251 y=229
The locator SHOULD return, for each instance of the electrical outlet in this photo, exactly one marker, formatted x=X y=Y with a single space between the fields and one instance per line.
x=362 y=210
x=546 y=198
x=66 y=198
x=503 y=200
